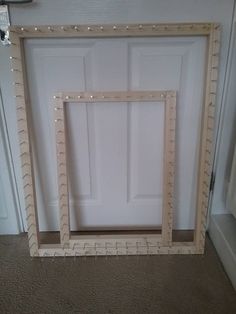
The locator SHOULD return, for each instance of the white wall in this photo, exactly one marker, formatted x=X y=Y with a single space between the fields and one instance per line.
x=222 y=224
x=107 y=11
x=227 y=133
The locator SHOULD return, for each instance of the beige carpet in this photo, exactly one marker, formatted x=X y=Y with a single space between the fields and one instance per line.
x=157 y=284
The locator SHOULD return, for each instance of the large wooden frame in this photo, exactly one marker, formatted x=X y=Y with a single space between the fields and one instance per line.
x=104 y=245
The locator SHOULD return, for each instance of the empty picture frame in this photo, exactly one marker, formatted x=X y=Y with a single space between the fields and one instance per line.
x=168 y=98
x=211 y=31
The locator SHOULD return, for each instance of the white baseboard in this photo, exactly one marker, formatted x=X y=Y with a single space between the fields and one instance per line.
x=222 y=231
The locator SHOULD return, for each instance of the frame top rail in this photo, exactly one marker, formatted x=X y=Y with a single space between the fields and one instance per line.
x=115 y=30
x=116 y=96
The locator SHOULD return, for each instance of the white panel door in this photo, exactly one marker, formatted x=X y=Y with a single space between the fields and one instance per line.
x=115 y=149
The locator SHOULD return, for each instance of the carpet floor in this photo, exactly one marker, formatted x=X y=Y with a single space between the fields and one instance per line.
x=126 y=285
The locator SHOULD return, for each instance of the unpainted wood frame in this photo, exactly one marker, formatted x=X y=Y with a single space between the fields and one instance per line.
x=169 y=99
x=211 y=31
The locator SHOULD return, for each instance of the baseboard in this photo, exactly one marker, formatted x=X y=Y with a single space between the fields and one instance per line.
x=222 y=231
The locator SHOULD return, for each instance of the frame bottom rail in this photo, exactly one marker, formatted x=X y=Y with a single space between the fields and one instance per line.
x=177 y=248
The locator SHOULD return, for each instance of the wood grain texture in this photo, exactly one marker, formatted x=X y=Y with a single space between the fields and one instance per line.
x=62 y=171
x=205 y=158
x=115 y=96
x=113 y=30
x=25 y=147
x=169 y=169
x=94 y=248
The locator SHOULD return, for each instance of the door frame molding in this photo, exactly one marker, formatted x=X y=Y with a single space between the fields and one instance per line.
x=210 y=30
x=17 y=223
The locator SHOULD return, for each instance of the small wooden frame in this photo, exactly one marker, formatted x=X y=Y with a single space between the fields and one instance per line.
x=136 y=245
x=169 y=99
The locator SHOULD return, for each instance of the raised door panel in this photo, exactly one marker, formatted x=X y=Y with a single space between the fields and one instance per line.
x=55 y=67
x=175 y=64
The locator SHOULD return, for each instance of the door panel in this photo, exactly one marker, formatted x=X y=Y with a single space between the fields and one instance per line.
x=145 y=151
x=115 y=150
x=178 y=64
